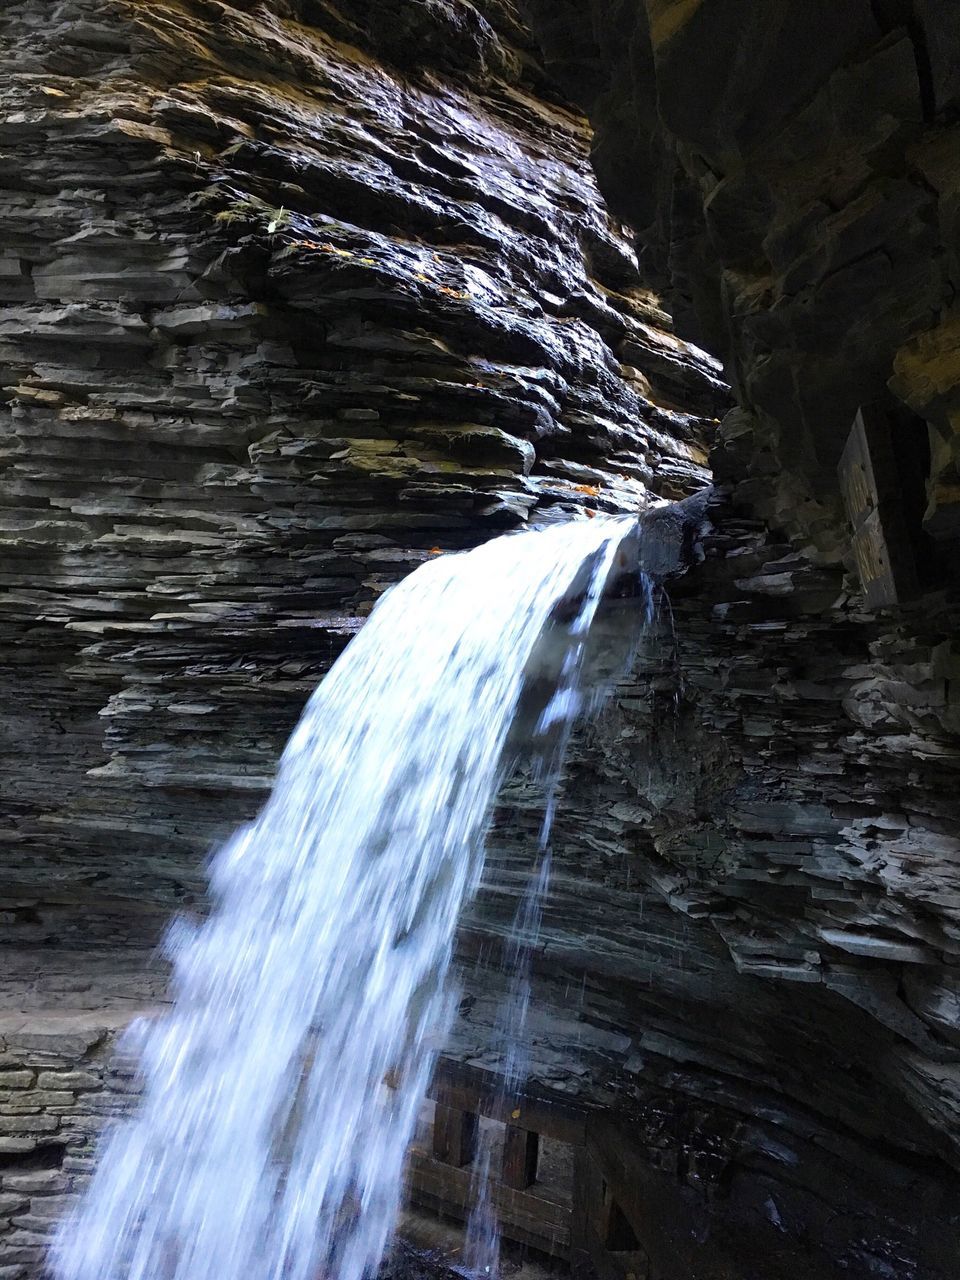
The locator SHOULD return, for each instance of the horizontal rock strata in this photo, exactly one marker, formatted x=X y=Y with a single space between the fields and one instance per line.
x=289 y=302
x=279 y=323
x=752 y=939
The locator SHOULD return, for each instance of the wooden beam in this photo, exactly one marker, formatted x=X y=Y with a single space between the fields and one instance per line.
x=525 y=1216
x=455 y=1135
x=521 y=1154
x=472 y=1089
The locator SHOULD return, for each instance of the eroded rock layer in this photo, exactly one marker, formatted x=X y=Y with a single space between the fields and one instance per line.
x=279 y=324
x=289 y=301
x=751 y=941
x=793 y=170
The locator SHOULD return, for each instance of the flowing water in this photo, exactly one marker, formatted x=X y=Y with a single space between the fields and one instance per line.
x=586 y=678
x=281 y=1089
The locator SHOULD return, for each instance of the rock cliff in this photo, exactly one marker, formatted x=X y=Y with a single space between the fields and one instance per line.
x=279 y=323
x=750 y=947
x=792 y=170
x=289 y=302
x=294 y=296
x=775 y=793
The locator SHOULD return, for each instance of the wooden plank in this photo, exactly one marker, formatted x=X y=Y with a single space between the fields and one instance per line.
x=521 y=1154
x=524 y=1216
x=455 y=1135
x=468 y=1089
x=587 y=1192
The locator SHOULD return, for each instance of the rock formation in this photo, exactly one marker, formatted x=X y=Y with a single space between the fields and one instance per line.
x=293 y=296
x=783 y=773
x=281 y=323
x=792 y=172
x=750 y=946
x=286 y=309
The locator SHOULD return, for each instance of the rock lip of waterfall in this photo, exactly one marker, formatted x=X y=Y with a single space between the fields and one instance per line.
x=281 y=1088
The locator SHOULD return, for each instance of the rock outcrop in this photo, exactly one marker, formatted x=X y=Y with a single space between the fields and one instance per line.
x=293 y=297
x=793 y=172
x=750 y=944
x=289 y=302
x=280 y=323
x=783 y=770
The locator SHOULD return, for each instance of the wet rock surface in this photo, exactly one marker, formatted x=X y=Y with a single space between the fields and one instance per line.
x=750 y=944
x=279 y=323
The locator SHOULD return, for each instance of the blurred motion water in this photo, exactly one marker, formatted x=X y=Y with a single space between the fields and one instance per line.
x=281 y=1089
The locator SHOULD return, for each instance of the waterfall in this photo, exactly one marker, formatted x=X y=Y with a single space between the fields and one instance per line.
x=282 y=1086
x=584 y=681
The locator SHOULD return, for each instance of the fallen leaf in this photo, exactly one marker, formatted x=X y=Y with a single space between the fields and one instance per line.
x=435 y=551
x=515 y=1115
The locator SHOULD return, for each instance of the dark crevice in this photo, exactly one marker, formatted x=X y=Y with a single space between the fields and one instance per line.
x=918 y=38
x=42 y=1160
x=891 y=14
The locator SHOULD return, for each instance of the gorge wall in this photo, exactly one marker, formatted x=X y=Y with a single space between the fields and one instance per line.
x=779 y=799
x=280 y=324
x=294 y=298
x=285 y=311
x=792 y=172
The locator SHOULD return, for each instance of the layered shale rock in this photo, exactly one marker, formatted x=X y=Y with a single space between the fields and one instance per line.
x=753 y=930
x=793 y=171
x=280 y=323
x=752 y=938
x=291 y=301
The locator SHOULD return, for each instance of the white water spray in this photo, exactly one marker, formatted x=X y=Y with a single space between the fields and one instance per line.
x=282 y=1087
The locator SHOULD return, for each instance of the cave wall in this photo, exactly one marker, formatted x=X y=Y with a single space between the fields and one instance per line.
x=289 y=302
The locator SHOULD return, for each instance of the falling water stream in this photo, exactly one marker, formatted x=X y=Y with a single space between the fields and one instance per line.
x=579 y=691
x=281 y=1088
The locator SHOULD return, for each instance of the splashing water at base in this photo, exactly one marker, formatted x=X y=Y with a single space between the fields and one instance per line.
x=281 y=1089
